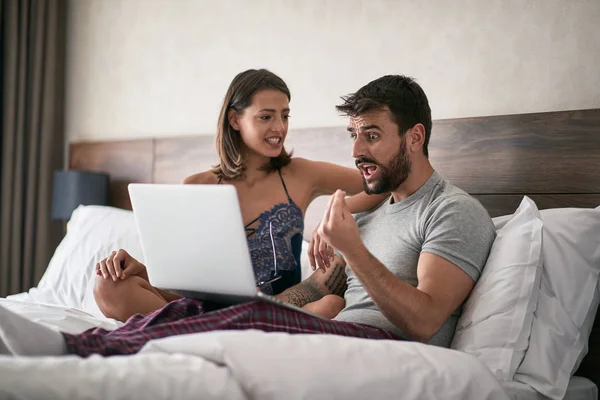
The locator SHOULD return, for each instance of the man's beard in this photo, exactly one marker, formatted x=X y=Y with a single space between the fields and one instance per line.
x=391 y=175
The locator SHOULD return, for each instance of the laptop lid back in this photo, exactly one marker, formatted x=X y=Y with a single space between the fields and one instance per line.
x=193 y=238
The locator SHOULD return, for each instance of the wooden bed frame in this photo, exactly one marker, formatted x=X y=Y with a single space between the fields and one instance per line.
x=552 y=157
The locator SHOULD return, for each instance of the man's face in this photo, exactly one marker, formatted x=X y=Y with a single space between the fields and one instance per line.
x=379 y=151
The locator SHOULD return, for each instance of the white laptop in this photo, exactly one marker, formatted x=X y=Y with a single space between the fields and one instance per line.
x=194 y=243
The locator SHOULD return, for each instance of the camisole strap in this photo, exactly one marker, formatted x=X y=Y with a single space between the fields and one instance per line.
x=284 y=187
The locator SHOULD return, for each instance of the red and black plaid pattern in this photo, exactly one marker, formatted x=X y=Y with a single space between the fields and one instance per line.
x=187 y=316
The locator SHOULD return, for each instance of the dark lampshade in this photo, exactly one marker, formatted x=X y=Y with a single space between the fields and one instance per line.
x=74 y=188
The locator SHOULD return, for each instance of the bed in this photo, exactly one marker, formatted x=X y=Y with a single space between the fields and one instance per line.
x=528 y=331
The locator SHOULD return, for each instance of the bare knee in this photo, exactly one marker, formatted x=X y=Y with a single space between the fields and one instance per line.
x=334 y=304
x=328 y=306
x=111 y=297
x=105 y=291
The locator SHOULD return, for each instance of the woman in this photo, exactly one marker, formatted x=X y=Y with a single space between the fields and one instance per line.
x=274 y=190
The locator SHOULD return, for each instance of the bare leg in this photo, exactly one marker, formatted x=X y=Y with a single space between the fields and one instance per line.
x=328 y=306
x=124 y=298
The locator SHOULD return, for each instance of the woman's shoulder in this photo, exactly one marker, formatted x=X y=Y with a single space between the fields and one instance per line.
x=306 y=167
x=299 y=165
x=202 y=178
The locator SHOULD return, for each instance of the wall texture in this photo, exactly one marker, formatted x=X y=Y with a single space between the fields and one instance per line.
x=140 y=68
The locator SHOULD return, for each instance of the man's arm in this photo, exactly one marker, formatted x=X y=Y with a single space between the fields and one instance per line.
x=420 y=312
x=442 y=285
x=322 y=282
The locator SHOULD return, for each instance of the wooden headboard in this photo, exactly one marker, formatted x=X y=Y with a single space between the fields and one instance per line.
x=553 y=157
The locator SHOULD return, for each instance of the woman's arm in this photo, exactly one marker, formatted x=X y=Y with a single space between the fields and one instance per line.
x=201 y=178
x=364 y=202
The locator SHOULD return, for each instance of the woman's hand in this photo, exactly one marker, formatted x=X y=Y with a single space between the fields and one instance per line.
x=120 y=265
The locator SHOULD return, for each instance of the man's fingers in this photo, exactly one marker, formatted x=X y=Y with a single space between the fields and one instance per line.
x=321 y=261
x=318 y=255
x=326 y=217
x=344 y=206
x=323 y=253
x=329 y=215
x=337 y=206
x=311 y=254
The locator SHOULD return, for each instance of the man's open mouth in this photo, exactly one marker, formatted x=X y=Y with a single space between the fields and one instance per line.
x=368 y=170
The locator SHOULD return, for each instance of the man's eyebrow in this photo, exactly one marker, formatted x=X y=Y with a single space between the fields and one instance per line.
x=364 y=128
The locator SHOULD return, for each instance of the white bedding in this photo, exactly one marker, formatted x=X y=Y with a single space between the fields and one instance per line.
x=579 y=389
x=253 y=364
x=244 y=365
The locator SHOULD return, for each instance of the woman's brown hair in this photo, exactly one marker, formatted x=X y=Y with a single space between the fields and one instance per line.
x=229 y=141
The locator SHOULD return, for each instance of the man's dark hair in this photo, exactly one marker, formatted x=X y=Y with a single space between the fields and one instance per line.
x=402 y=95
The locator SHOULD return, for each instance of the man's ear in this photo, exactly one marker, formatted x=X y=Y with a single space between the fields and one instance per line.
x=416 y=138
x=233 y=117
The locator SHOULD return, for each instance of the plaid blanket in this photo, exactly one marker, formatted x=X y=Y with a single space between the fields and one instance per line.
x=188 y=316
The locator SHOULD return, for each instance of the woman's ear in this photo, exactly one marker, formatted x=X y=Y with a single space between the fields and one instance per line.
x=233 y=116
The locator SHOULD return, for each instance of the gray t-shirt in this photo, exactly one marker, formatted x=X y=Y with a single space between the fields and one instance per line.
x=438 y=218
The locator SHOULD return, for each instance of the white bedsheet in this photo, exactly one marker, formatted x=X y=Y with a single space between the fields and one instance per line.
x=579 y=389
x=67 y=319
x=245 y=365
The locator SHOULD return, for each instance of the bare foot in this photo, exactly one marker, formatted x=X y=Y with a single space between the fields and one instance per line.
x=329 y=306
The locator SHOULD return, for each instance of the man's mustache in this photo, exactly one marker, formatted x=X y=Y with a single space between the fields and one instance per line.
x=362 y=160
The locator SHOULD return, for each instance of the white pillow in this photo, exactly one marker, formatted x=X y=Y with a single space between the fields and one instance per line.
x=93 y=232
x=496 y=319
x=568 y=300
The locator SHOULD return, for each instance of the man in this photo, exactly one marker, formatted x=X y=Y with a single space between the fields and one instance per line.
x=414 y=259
x=411 y=261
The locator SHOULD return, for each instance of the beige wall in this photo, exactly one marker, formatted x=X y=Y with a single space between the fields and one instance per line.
x=139 y=68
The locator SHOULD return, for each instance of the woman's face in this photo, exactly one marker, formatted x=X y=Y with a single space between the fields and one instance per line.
x=264 y=124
